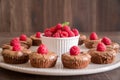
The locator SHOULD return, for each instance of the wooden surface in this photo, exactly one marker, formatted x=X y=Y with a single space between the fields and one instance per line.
x=11 y=75
x=36 y=15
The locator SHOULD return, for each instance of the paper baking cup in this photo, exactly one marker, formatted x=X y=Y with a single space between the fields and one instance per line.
x=60 y=45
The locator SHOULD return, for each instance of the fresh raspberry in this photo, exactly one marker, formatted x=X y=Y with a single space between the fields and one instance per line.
x=59 y=31
x=38 y=34
x=42 y=49
x=56 y=35
x=66 y=28
x=75 y=31
x=52 y=29
x=74 y=50
x=14 y=41
x=58 y=26
x=106 y=40
x=16 y=48
x=47 y=33
x=93 y=36
x=101 y=46
x=71 y=34
x=64 y=34
x=23 y=37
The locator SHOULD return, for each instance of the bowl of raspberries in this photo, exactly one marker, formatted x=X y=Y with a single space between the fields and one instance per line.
x=60 y=38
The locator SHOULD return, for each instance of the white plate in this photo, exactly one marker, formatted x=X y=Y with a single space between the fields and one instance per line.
x=58 y=70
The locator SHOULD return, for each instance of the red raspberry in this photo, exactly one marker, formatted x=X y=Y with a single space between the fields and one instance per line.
x=38 y=34
x=57 y=35
x=23 y=37
x=16 y=48
x=93 y=36
x=47 y=33
x=52 y=29
x=14 y=41
x=66 y=28
x=75 y=31
x=101 y=46
x=42 y=49
x=75 y=50
x=59 y=31
x=71 y=34
x=106 y=40
x=58 y=26
x=64 y=34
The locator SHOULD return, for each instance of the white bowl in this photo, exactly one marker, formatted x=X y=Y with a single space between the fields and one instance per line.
x=60 y=45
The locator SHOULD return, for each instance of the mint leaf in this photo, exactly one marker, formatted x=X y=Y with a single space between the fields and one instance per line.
x=65 y=24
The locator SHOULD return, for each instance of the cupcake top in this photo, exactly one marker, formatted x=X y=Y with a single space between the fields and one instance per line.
x=24 y=39
x=43 y=53
x=36 y=36
x=61 y=31
x=16 y=50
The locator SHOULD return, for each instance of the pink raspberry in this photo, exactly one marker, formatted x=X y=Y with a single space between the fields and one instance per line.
x=42 y=49
x=93 y=36
x=71 y=34
x=23 y=37
x=101 y=46
x=75 y=31
x=52 y=29
x=59 y=31
x=64 y=34
x=66 y=28
x=106 y=40
x=74 y=50
x=38 y=34
x=47 y=33
x=14 y=41
x=58 y=26
x=56 y=35
x=16 y=48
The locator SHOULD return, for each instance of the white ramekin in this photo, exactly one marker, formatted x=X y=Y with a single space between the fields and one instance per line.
x=60 y=45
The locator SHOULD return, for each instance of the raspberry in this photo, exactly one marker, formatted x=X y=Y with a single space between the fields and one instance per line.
x=47 y=33
x=16 y=48
x=93 y=36
x=59 y=31
x=101 y=46
x=66 y=28
x=106 y=40
x=57 y=34
x=14 y=41
x=64 y=34
x=23 y=37
x=52 y=29
x=75 y=31
x=42 y=49
x=58 y=26
x=38 y=34
x=71 y=34
x=74 y=50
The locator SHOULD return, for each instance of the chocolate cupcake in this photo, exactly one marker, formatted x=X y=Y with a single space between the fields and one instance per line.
x=101 y=54
x=82 y=39
x=25 y=41
x=75 y=59
x=36 y=39
x=43 y=58
x=93 y=40
x=17 y=55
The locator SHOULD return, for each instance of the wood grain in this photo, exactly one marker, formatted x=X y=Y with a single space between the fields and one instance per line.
x=35 y=15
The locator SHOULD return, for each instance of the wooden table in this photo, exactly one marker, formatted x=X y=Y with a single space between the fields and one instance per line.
x=11 y=75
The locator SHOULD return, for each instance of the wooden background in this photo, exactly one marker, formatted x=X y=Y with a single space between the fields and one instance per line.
x=35 y=15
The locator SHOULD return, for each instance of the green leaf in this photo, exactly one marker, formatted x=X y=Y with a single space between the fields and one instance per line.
x=65 y=24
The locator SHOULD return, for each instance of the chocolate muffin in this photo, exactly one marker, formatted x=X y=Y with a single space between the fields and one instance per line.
x=36 y=39
x=82 y=39
x=102 y=55
x=16 y=56
x=75 y=59
x=43 y=58
x=25 y=41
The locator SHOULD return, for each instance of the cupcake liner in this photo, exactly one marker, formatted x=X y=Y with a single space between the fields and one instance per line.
x=15 y=59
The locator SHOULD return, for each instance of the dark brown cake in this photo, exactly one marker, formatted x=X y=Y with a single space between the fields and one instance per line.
x=76 y=62
x=43 y=60
x=102 y=57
